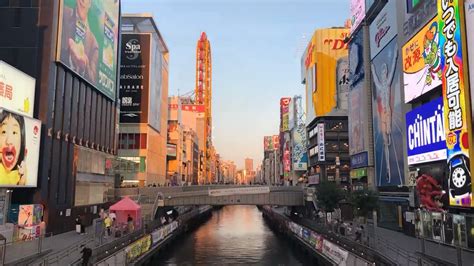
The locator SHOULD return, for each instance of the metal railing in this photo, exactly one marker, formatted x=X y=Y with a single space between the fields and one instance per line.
x=27 y=248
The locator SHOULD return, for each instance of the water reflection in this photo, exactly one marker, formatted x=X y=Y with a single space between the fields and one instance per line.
x=234 y=235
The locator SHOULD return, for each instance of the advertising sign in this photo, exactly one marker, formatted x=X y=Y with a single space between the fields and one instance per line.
x=469 y=16
x=267 y=143
x=342 y=78
x=299 y=152
x=357 y=13
x=358 y=173
x=19 y=146
x=29 y=215
x=388 y=117
x=276 y=142
x=88 y=41
x=422 y=62
x=360 y=160
x=284 y=112
x=135 y=78
x=17 y=90
x=456 y=105
x=139 y=247
x=321 y=143
x=417 y=16
x=310 y=85
x=171 y=150
x=357 y=115
x=384 y=28
x=426 y=139
x=337 y=254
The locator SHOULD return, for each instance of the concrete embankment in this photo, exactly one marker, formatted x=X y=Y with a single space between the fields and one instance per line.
x=325 y=250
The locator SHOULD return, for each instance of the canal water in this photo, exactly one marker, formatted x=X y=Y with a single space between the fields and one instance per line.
x=234 y=235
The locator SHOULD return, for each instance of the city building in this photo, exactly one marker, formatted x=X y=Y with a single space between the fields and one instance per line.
x=248 y=164
x=73 y=109
x=229 y=171
x=176 y=158
x=191 y=161
x=271 y=160
x=144 y=99
x=325 y=74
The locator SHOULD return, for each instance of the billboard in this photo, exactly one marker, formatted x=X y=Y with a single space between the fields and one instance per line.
x=299 y=152
x=426 y=139
x=417 y=15
x=384 y=28
x=268 y=143
x=421 y=57
x=357 y=13
x=19 y=147
x=135 y=78
x=88 y=41
x=469 y=16
x=17 y=90
x=276 y=142
x=285 y=114
x=171 y=150
x=342 y=79
x=357 y=115
x=310 y=87
x=456 y=103
x=388 y=122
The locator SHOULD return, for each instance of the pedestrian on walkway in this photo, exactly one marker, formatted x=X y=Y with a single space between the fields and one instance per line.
x=358 y=235
x=86 y=255
x=78 y=224
x=130 y=223
x=108 y=224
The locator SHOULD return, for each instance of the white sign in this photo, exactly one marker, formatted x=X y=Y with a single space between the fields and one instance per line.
x=337 y=254
x=321 y=143
x=17 y=90
x=469 y=15
x=238 y=191
x=19 y=149
x=357 y=13
x=384 y=28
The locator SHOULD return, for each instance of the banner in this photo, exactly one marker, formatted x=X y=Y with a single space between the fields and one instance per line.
x=19 y=146
x=135 y=78
x=421 y=57
x=337 y=254
x=299 y=152
x=456 y=105
x=342 y=79
x=426 y=139
x=138 y=248
x=88 y=41
x=17 y=90
x=384 y=28
x=321 y=143
x=388 y=117
x=284 y=113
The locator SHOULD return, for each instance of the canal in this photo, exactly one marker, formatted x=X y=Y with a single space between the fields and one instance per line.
x=233 y=235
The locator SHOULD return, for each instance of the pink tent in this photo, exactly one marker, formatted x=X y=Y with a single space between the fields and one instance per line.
x=125 y=207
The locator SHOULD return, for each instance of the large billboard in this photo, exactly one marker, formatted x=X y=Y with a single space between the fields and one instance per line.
x=285 y=114
x=342 y=79
x=388 y=117
x=299 y=151
x=88 y=41
x=17 y=90
x=19 y=147
x=357 y=13
x=384 y=28
x=456 y=103
x=469 y=16
x=421 y=57
x=135 y=78
x=357 y=114
x=417 y=14
x=426 y=139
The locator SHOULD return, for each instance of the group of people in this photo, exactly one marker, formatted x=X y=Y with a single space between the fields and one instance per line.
x=110 y=222
x=350 y=230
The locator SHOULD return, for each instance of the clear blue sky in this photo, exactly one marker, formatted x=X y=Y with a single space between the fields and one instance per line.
x=256 y=51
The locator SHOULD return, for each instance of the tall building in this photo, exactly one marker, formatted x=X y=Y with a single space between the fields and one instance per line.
x=248 y=165
x=203 y=93
x=191 y=158
x=176 y=144
x=144 y=99
x=229 y=172
x=327 y=106
x=73 y=106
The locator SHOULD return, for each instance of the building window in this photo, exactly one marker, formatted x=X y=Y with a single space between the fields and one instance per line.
x=133 y=141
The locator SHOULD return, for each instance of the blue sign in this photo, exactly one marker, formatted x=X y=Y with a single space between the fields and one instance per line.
x=426 y=140
x=360 y=160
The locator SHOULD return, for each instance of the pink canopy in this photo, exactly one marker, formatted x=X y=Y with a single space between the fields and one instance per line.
x=126 y=207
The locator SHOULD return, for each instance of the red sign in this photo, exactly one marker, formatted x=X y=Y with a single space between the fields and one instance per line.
x=193 y=108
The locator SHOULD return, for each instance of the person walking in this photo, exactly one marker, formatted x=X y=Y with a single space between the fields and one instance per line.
x=78 y=224
x=130 y=223
x=86 y=255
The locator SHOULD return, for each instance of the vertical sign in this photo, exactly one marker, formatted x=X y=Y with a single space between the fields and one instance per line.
x=321 y=143
x=135 y=78
x=469 y=15
x=284 y=112
x=456 y=104
x=357 y=13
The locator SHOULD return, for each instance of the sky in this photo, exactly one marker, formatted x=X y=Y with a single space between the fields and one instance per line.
x=256 y=48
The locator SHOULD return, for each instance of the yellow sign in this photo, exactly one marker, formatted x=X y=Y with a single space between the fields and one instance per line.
x=138 y=248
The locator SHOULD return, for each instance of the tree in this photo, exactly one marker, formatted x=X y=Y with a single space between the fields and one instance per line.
x=328 y=196
x=365 y=201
